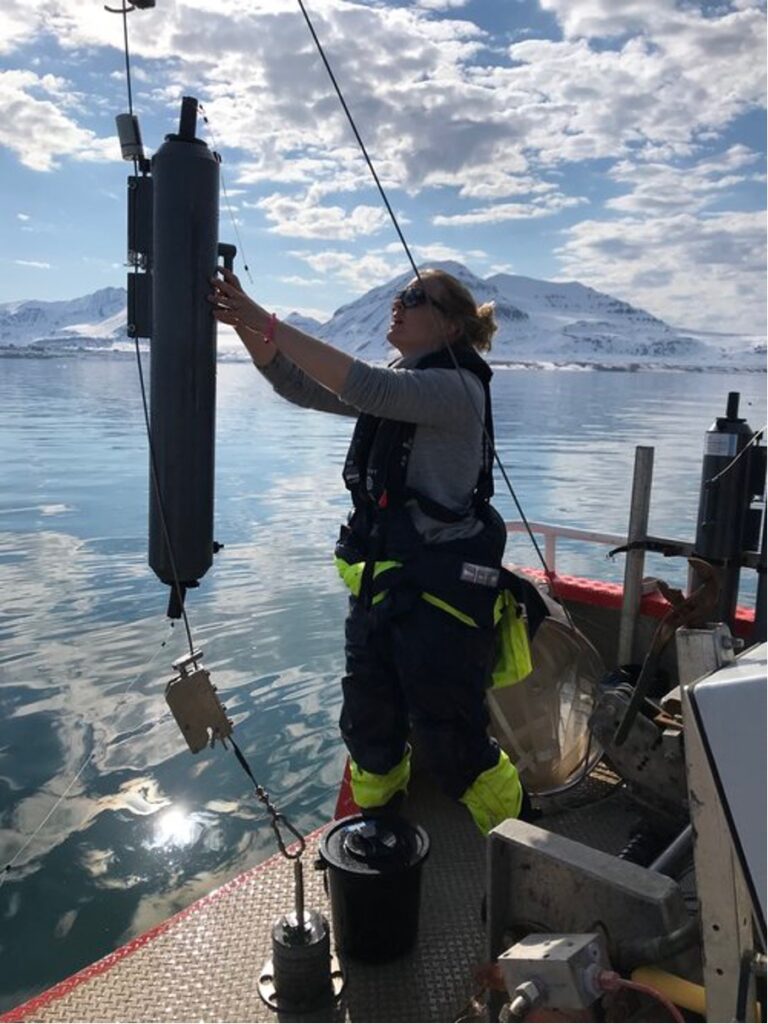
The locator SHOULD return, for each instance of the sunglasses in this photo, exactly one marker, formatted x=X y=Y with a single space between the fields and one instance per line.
x=414 y=295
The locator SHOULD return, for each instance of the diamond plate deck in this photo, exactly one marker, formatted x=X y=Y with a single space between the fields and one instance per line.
x=204 y=963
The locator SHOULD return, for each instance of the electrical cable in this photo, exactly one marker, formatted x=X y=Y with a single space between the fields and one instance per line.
x=492 y=447
x=127 y=58
x=755 y=439
x=609 y=981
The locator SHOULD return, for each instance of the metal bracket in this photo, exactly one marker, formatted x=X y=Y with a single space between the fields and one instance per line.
x=195 y=705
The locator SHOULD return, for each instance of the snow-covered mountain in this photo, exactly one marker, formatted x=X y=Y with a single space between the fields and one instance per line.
x=361 y=326
x=540 y=323
x=91 y=321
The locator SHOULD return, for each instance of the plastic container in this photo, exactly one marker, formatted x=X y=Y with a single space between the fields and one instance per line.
x=373 y=876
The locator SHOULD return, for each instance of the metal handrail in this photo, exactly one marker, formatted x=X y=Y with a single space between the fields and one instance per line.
x=551 y=532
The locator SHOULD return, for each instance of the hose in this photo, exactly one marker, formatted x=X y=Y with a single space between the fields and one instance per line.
x=637 y=952
x=681 y=992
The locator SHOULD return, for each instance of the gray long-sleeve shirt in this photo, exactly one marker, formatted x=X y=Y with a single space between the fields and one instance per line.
x=448 y=408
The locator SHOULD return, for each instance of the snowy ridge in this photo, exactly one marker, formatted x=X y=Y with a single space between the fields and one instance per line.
x=541 y=323
x=92 y=320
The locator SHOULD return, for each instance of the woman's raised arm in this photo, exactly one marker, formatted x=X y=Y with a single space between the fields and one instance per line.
x=322 y=362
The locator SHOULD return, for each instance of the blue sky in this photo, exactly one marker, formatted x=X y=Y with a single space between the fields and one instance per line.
x=620 y=143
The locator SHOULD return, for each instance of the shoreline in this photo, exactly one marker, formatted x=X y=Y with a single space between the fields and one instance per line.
x=574 y=365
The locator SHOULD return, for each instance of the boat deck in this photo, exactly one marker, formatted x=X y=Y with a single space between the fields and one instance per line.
x=204 y=963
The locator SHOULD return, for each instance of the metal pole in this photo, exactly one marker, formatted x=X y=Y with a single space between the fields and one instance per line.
x=635 y=563
x=670 y=859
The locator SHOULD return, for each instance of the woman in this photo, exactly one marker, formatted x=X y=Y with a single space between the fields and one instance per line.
x=422 y=549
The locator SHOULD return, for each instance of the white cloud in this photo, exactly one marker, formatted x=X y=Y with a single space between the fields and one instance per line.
x=664 y=88
x=358 y=272
x=428 y=113
x=440 y=5
x=440 y=252
x=34 y=264
x=302 y=282
x=697 y=272
x=36 y=128
x=674 y=249
x=375 y=266
x=300 y=217
x=500 y=212
x=18 y=23
x=23 y=217
x=658 y=188
x=646 y=85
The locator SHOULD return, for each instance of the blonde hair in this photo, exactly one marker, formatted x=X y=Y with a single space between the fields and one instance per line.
x=478 y=323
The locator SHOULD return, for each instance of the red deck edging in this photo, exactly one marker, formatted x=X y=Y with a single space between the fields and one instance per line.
x=62 y=988
x=580 y=590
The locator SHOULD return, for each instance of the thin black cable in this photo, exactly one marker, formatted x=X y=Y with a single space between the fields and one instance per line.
x=360 y=142
x=161 y=504
x=495 y=456
x=127 y=57
x=241 y=247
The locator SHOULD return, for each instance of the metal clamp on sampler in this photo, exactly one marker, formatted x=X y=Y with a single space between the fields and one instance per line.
x=195 y=705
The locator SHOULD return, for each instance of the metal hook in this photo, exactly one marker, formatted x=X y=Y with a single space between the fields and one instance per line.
x=276 y=819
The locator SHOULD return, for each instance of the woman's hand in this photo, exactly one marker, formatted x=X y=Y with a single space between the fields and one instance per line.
x=262 y=335
x=232 y=306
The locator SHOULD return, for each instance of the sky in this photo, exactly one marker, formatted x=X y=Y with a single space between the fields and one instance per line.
x=620 y=143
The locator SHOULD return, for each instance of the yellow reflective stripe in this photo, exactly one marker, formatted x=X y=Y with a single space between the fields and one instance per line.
x=352 y=573
x=372 y=790
x=513 y=662
x=381 y=567
x=444 y=606
x=495 y=795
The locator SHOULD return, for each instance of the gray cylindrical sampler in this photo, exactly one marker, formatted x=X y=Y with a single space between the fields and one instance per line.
x=183 y=352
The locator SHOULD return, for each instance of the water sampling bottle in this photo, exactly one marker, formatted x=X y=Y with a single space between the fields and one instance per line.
x=729 y=518
x=173 y=227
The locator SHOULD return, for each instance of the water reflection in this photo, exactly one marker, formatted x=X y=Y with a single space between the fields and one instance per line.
x=176 y=827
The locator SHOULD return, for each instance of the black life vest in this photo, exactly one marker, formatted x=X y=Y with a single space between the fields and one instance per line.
x=380 y=526
x=377 y=461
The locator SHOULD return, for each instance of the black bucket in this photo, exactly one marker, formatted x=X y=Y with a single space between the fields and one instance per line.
x=373 y=875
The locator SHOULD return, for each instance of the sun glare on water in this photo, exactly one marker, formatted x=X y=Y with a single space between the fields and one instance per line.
x=175 y=828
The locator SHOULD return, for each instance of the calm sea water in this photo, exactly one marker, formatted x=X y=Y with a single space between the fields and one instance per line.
x=145 y=827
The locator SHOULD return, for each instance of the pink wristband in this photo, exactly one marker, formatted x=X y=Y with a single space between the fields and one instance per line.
x=269 y=334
